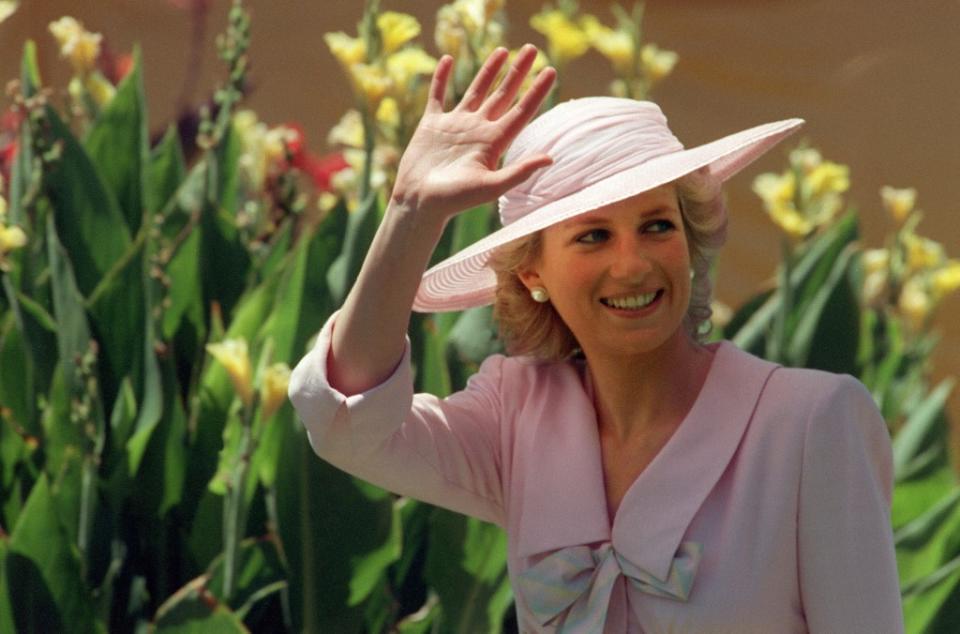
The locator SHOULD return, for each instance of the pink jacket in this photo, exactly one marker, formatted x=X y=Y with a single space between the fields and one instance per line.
x=767 y=511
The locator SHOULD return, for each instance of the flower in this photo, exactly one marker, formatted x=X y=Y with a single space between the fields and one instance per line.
x=915 y=303
x=11 y=237
x=805 y=158
x=273 y=391
x=450 y=34
x=898 y=202
x=348 y=131
x=101 y=90
x=348 y=50
x=946 y=279
x=370 y=82
x=828 y=177
x=776 y=189
x=876 y=266
x=78 y=45
x=657 y=63
x=396 y=29
x=233 y=356
x=616 y=45
x=404 y=65
x=922 y=253
x=8 y=8
x=565 y=40
x=388 y=113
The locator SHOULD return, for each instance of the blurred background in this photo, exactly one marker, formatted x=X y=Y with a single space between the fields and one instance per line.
x=876 y=82
x=152 y=472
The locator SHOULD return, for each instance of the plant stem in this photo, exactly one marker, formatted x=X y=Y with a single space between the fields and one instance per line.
x=234 y=510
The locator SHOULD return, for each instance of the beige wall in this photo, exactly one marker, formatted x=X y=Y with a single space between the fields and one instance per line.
x=875 y=79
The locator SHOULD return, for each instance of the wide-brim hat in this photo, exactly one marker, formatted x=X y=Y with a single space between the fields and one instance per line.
x=604 y=150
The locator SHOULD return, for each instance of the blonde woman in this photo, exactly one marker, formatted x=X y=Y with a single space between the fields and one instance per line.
x=648 y=482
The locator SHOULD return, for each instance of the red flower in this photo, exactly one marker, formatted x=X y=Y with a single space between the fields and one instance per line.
x=319 y=168
x=322 y=168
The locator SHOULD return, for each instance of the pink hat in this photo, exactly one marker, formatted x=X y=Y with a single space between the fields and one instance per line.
x=604 y=150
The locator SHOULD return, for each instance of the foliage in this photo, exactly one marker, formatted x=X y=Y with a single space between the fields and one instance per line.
x=151 y=472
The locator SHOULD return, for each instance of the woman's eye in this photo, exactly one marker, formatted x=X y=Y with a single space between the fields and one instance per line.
x=659 y=226
x=592 y=237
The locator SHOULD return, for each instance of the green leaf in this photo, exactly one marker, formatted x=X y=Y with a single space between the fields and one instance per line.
x=16 y=374
x=194 y=610
x=336 y=557
x=73 y=333
x=361 y=227
x=117 y=144
x=806 y=274
x=259 y=574
x=166 y=171
x=88 y=219
x=30 y=70
x=923 y=427
x=467 y=567
x=828 y=318
x=932 y=604
x=43 y=570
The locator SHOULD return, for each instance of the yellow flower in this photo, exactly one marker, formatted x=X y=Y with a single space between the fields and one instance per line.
x=923 y=253
x=3 y=202
x=450 y=34
x=657 y=63
x=565 y=40
x=273 y=391
x=829 y=177
x=388 y=113
x=915 y=303
x=233 y=356
x=790 y=220
x=78 y=45
x=99 y=89
x=370 y=82
x=404 y=65
x=348 y=50
x=776 y=188
x=875 y=260
x=617 y=46
x=898 y=202
x=396 y=29
x=348 y=131
x=7 y=8
x=806 y=158
x=11 y=238
x=946 y=279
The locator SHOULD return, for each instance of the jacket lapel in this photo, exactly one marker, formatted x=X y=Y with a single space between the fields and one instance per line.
x=659 y=506
x=563 y=497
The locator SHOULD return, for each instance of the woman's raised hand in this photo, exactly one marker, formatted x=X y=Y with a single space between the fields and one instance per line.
x=451 y=162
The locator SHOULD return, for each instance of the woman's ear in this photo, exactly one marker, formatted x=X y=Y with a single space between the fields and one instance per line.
x=529 y=278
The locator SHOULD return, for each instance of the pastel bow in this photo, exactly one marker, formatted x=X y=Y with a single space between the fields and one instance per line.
x=582 y=578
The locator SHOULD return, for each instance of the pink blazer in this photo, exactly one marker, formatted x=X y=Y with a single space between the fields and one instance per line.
x=767 y=511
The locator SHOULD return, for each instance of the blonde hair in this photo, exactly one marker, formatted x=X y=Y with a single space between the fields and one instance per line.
x=530 y=328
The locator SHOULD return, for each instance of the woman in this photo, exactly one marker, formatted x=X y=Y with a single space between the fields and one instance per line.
x=647 y=482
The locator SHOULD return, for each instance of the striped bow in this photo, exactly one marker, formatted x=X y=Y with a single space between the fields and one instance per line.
x=581 y=579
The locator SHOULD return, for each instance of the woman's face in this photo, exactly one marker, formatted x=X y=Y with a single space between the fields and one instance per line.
x=619 y=276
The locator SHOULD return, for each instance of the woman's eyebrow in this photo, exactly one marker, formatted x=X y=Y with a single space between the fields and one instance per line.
x=588 y=221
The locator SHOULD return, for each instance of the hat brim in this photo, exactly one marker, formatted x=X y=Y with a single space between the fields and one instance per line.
x=465 y=281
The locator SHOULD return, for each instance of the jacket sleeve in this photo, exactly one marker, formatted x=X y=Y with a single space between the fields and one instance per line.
x=848 y=570
x=442 y=451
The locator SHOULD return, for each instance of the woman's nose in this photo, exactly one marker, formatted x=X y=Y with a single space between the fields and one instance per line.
x=630 y=261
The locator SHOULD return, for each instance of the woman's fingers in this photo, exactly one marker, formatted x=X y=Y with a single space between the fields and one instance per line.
x=529 y=104
x=438 y=85
x=509 y=176
x=485 y=77
x=505 y=93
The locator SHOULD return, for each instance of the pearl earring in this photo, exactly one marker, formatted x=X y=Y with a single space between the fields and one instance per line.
x=539 y=294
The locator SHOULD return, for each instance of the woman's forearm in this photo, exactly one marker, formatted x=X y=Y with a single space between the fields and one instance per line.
x=368 y=338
